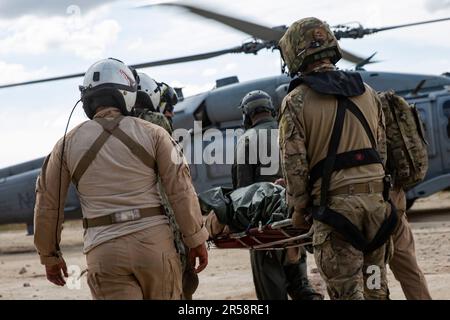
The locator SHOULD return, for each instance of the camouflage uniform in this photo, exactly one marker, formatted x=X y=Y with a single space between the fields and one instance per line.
x=304 y=142
x=275 y=275
x=155 y=118
x=342 y=266
x=190 y=278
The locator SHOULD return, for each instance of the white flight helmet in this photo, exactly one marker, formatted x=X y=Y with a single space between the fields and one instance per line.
x=149 y=92
x=169 y=98
x=109 y=82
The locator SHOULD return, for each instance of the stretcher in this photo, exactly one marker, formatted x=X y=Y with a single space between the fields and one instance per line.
x=275 y=236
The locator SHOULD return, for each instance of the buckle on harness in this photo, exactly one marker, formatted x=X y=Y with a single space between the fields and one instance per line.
x=388 y=185
x=124 y=216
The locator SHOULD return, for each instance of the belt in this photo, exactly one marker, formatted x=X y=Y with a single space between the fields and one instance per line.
x=358 y=188
x=123 y=216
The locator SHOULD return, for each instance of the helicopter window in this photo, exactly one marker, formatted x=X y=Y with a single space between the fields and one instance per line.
x=446 y=108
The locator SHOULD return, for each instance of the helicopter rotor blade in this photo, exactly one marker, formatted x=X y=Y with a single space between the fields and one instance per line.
x=409 y=25
x=351 y=57
x=256 y=30
x=342 y=31
x=71 y=76
x=195 y=57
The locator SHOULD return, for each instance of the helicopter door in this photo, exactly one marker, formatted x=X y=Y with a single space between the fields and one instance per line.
x=444 y=130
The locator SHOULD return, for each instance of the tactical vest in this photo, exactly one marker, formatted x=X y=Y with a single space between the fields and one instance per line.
x=405 y=138
x=343 y=85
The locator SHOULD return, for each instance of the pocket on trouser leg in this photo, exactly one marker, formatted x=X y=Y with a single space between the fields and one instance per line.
x=105 y=286
x=341 y=267
x=94 y=284
x=375 y=279
x=172 y=286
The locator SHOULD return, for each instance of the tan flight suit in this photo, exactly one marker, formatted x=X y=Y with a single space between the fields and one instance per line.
x=344 y=268
x=404 y=262
x=133 y=259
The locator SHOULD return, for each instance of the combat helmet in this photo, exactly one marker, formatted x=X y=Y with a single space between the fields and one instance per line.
x=254 y=102
x=306 y=41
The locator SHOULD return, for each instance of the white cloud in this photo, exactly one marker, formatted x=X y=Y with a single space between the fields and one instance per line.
x=136 y=44
x=14 y=72
x=90 y=42
x=86 y=36
x=15 y=8
x=35 y=133
x=437 y=5
x=231 y=66
x=209 y=72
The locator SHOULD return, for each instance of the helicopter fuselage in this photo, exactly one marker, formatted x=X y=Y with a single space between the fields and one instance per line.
x=218 y=109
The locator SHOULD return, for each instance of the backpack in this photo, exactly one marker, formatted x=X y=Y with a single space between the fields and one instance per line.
x=406 y=145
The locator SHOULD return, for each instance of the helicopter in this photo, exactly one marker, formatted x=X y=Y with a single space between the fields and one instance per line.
x=217 y=109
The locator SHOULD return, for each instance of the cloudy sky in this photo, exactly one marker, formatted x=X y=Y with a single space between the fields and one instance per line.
x=49 y=38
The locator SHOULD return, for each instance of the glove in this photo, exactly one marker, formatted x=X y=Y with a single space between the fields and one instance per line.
x=301 y=219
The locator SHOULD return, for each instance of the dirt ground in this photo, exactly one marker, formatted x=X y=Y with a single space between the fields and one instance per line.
x=228 y=275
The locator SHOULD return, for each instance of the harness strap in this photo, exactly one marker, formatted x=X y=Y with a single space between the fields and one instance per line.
x=345 y=160
x=351 y=233
x=360 y=116
x=353 y=158
x=138 y=150
x=92 y=152
x=333 y=162
x=111 y=127
x=336 y=134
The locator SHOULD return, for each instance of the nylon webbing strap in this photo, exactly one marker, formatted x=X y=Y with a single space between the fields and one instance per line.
x=330 y=217
x=352 y=234
x=360 y=116
x=134 y=147
x=386 y=229
x=336 y=134
x=92 y=152
x=345 y=160
x=335 y=219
